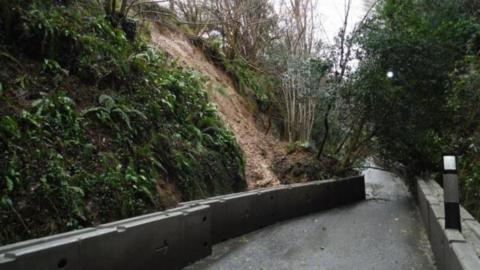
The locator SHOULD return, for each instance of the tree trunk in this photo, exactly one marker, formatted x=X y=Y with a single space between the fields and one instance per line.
x=326 y=128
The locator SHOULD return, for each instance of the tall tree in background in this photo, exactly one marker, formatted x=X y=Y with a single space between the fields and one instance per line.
x=301 y=90
x=427 y=107
x=421 y=44
x=353 y=132
x=302 y=71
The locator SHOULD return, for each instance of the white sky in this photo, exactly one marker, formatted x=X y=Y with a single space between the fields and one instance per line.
x=332 y=12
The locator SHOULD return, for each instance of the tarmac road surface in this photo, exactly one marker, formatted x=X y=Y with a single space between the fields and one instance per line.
x=383 y=232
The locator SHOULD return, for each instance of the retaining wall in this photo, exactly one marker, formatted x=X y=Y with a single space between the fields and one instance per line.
x=175 y=238
x=452 y=249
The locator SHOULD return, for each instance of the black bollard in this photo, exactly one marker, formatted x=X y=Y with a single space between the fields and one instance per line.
x=451 y=195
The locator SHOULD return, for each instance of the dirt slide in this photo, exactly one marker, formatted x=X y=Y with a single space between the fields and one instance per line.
x=260 y=149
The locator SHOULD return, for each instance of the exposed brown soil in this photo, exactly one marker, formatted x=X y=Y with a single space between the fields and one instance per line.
x=303 y=166
x=259 y=148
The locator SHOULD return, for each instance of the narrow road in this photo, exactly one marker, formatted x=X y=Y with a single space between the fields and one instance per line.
x=383 y=232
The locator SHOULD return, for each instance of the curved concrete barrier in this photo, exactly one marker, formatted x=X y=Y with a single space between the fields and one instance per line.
x=452 y=249
x=177 y=237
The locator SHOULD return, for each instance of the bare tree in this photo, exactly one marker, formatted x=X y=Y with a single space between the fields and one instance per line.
x=301 y=82
x=298 y=26
x=196 y=13
x=243 y=25
x=301 y=88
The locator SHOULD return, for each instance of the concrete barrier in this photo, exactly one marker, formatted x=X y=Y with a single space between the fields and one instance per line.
x=177 y=237
x=452 y=249
x=165 y=240
x=237 y=214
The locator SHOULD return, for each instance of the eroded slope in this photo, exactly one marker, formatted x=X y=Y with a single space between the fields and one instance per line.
x=259 y=148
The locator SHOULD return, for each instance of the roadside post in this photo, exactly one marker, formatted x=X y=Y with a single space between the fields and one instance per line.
x=451 y=195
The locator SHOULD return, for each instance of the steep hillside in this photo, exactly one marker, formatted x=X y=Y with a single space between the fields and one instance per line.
x=260 y=149
x=96 y=127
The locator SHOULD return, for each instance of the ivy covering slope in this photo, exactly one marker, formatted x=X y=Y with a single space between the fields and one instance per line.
x=91 y=122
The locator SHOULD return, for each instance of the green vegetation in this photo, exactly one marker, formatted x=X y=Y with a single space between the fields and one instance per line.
x=97 y=125
x=92 y=123
x=251 y=81
x=430 y=106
